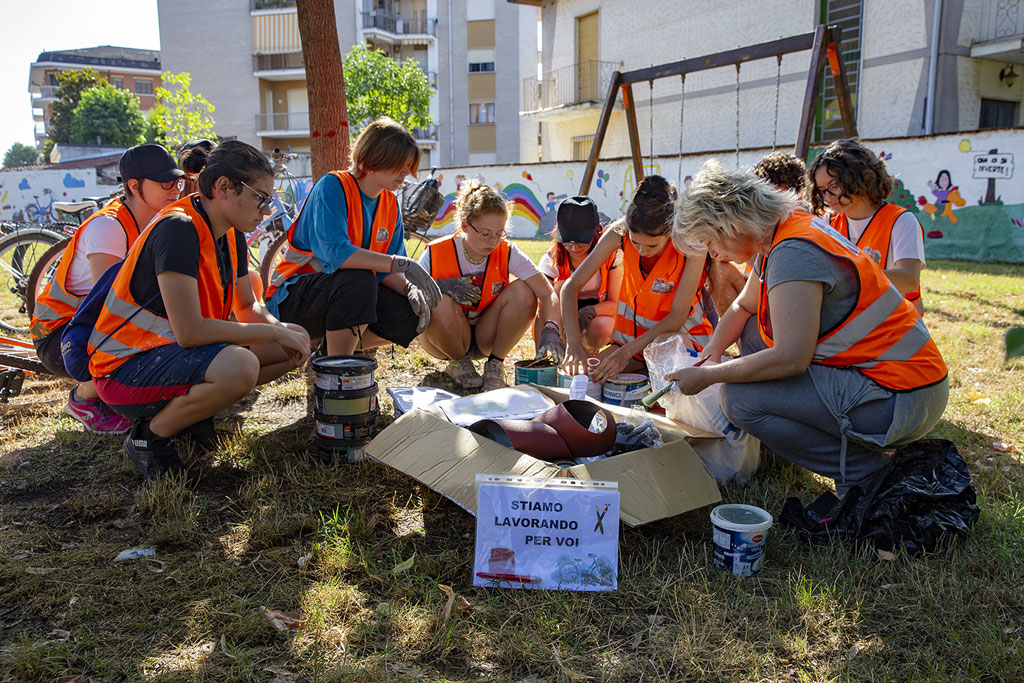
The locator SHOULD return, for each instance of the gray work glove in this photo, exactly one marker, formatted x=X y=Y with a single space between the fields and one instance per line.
x=585 y=316
x=551 y=343
x=461 y=290
x=417 y=276
x=419 y=304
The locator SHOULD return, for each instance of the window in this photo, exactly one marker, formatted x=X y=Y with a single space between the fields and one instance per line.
x=997 y=114
x=52 y=78
x=847 y=15
x=581 y=147
x=117 y=82
x=481 y=112
x=480 y=67
x=143 y=86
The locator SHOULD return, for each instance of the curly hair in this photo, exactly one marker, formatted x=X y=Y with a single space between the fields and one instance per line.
x=476 y=199
x=783 y=170
x=856 y=170
x=650 y=212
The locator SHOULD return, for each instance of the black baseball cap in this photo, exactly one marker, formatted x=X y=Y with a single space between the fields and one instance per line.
x=149 y=162
x=577 y=219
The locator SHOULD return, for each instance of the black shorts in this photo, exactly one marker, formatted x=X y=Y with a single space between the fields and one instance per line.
x=322 y=302
x=48 y=350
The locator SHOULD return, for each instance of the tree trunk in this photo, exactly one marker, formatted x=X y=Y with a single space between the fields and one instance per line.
x=325 y=83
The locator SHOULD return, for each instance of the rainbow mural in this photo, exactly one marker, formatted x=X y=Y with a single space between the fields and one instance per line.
x=526 y=215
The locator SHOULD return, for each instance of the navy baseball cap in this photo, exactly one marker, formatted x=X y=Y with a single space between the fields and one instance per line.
x=577 y=219
x=148 y=162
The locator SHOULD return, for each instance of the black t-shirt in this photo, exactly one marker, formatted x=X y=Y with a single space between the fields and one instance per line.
x=174 y=245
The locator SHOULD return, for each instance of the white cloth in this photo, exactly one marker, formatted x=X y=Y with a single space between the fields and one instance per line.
x=905 y=240
x=519 y=264
x=102 y=235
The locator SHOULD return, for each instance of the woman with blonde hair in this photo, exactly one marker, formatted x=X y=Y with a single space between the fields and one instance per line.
x=850 y=369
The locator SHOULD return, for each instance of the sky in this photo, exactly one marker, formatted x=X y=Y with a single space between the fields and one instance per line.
x=34 y=26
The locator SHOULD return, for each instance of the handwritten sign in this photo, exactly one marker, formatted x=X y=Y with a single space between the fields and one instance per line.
x=997 y=165
x=552 y=534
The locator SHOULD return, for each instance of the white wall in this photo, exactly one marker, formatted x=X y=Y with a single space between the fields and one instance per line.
x=23 y=192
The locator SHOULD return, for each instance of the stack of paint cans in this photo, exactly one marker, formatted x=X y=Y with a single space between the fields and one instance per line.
x=345 y=406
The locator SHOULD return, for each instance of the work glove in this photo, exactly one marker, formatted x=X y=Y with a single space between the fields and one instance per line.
x=419 y=304
x=461 y=290
x=417 y=276
x=585 y=316
x=551 y=344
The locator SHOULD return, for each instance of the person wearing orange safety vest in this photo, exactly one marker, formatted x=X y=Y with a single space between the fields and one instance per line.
x=492 y=292
x=151 y=181
x=849 y=371
x=577 y=232
x=164 y=350
x=345 y=276
x=660 y=292
x=852 y=182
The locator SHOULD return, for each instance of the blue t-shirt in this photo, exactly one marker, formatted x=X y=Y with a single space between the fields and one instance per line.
x=322 y=227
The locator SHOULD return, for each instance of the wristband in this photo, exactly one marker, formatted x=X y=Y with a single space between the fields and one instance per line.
x=392 y=264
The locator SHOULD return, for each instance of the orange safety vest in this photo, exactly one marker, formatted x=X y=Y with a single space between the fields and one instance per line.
x=56 y=304
x=444 y=263
x=877 y=237
x=883 y=336
x=113 y=341
x=298 y=261
x=565 y=272
x=645 y=301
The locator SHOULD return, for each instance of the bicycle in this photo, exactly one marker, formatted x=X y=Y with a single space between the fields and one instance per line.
x=37 y=213
x=21 y=249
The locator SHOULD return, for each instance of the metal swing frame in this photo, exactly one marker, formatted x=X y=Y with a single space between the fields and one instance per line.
x=824 y=44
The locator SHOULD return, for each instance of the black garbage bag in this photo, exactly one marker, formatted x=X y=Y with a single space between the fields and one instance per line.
x=921 y=499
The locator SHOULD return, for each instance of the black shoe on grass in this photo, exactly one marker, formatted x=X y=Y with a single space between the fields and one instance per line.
x=199 y=438
x=153 y=455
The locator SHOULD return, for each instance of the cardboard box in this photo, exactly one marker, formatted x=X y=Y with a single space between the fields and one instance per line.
x=654 y=483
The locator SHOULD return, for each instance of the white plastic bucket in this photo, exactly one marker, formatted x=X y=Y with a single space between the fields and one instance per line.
x=740 y=532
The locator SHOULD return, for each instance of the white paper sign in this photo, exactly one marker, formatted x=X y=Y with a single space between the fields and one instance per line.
x=998 y=165
x=552 y=534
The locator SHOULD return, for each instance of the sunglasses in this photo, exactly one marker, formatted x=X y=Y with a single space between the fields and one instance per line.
x=265 y=199
x=172 y=184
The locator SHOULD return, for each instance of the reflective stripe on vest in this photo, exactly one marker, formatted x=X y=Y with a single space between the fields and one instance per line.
x=644 y=302
x=883 y=336
x=296 y=261
x=113 y=340
x=444 y=263
x=877 y=236
x=56 y=304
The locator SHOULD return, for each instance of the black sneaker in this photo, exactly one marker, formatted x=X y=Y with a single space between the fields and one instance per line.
x=199 y=438
x=153 y=455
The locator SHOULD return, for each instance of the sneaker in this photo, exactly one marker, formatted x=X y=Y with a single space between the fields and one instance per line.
x=153 y=455
x=463 y=372
x=494 y=374
x=95 y=415
x=200 y=438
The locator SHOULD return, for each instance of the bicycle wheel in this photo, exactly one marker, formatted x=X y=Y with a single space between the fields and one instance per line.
x=274 y=254
x=43 y=272
x=19 y=254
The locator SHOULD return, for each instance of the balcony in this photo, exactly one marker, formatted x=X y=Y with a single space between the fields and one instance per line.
x=41 y=93
x=393 y=28
x=40 y=130
x=585 y=83
x=425 y=137
x=270 y=4
x=283 y=125
x=279 y=67
x=1002 y=32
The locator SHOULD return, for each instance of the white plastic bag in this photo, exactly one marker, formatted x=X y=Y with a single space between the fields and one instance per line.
x=737 y=454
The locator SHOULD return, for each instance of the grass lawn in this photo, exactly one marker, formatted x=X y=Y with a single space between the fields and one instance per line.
x=269 y=526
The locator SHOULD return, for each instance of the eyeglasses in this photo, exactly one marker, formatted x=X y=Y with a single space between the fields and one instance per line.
x=487 y=236
x=172 y=184
x=575 y=245
x=265 y=199
x=833 y=190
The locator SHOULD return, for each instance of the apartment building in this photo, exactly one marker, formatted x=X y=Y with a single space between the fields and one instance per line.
x=129 y=68
x=929 y=66
x=245 y=57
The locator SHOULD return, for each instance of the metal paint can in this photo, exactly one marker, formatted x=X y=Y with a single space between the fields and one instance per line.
x=342 y=403
x=344 y=373
x=626 y=389
x=346 y=430
x=542 y=372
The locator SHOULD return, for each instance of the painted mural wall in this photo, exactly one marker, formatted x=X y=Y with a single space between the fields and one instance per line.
x=28 y=195
x=964 y=189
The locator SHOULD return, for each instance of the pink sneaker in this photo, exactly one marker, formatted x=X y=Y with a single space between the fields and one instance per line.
x=96 y=416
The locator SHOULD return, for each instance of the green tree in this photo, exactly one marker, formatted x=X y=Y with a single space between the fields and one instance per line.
x=106 y=115
x=20 y=155
x=179 y=114
x=70 y=86
x=377 y=85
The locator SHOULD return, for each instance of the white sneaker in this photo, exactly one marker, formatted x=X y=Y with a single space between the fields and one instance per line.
x=464 y=374
x=494 y=374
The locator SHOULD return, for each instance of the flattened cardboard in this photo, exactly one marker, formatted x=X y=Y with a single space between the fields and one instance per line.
x=654 y=483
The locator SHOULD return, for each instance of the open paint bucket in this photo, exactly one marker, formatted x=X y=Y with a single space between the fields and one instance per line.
x=626 y=389
x=352 y=429
x=344 y=373
x=541 y=371
x=355 y=402
x=739 y=535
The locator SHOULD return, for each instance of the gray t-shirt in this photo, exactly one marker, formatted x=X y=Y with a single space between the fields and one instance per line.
x=801 y=260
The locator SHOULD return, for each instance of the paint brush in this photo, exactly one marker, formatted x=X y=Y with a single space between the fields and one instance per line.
x=650 y=399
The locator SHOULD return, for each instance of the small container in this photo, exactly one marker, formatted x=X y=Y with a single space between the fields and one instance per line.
x=336 y=453
x=344 y=373
x=595 y=390
x=542 y=372
x=351 y=429
x=740 y=533
x=341 y=403
x=626 y=389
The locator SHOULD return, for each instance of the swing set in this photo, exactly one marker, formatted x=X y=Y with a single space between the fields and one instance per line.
x=824 y=44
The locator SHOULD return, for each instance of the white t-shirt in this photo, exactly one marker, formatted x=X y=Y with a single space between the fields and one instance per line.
x=905 y=240
x=102 y=235
x=519 y=264
x=591 y=290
